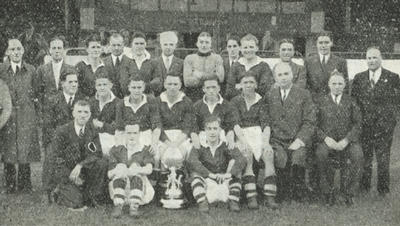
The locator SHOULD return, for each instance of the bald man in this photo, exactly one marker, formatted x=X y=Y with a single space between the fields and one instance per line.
x=376 y=92
x=292 y=117
x=167 y=63
x=19 y=138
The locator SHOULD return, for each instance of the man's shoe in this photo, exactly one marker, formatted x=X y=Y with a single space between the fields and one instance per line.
x=234 y=206
x=270 y=202
x=203 y=206
x=117 y=211
x=252 y=203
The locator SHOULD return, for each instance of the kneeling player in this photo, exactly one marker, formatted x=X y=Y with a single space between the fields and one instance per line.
x=128 y=169
x=215 y=176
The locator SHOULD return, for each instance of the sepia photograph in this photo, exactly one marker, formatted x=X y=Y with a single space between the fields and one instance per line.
x=200 y=112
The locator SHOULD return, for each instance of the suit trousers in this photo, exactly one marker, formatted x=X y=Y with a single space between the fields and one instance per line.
x=381 y=146
x=17 y=181
x=349 y=161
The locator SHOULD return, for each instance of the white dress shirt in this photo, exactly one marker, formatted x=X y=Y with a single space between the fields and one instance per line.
x=375 y=75
x=14 y=66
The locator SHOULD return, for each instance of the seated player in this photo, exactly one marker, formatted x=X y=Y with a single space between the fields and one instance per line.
x=80 y=168
x=339 y=127
x=141 y=109
x=103 y=105
x=214 y=175
x=254 y=132
x=129 y=166
x=293 y=116
x=177 y=122
x=212 y=103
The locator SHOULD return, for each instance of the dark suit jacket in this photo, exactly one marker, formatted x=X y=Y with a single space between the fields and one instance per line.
x=377 y=104
x=57 y=112
x=338 y=121
x=119 y=76
x=160 y=73
x=47 y=81
x=293 y=118
x=318 y=75
x=70 y=149
x=299 y=74
x=227 y=69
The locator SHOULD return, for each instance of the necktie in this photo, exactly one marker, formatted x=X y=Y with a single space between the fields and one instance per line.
x=337 y=99
x=16 y=69
x=323 y=60
x=81 y=133
x=117 y=62
x=70 y=101
x=284 y=95
x=372 y=80
x=167 y=63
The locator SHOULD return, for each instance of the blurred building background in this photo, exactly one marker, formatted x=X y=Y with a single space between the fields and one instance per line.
x=355 y=24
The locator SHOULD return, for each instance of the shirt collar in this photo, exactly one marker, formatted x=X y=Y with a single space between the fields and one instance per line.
x=135 y=109
x=67 y=97
x=14 y=65
x=287 y=90
x=164 y=98
x=98 y=66
x=114 y=58
x=246 y=65
x=322 y=57
x=169 y=57
x=78 y=128
x=57 y=63
x=334 y=97
x=108 y=101
x=146 y=56
x=218 y=102
x=377 y=75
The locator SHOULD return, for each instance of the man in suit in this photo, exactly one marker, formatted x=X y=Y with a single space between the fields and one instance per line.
x=292 y=118
x=320 y=66
x=233 y=49
x=57 y=112
x=49 y=74
x=19 y=137
x=376 y=92
x=338 y=131
x=200 y=65
x=118 y=66
x=80 y=169
x=167 y=63
x=286 y=53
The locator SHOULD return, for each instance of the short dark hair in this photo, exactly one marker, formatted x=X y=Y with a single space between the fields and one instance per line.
x=174 y=75
x=92 y=38
x=324 y=34
x=248 y=74
x=58 y=38
x=115 y=36
x=102 y=74
x=136 y=78
x=204 y=34
x=82 y=103
x=67 y=72
x=286 y=40
x=233 y=37
x=206 y=78
x=210 y=119
x=138 y=34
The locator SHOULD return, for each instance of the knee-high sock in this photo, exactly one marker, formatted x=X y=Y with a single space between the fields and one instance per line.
x=269 y=188
x=198 y=188
x=137 y=189
x=234 y=189
x=118 y=186
x=249 y=183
